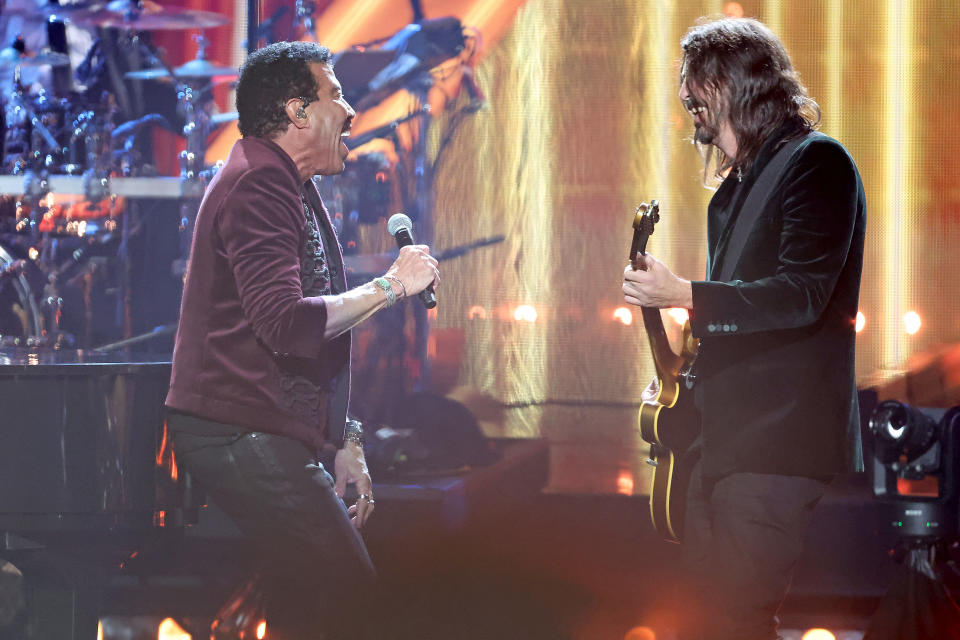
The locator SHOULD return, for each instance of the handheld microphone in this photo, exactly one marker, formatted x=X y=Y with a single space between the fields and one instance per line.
x=401 y=228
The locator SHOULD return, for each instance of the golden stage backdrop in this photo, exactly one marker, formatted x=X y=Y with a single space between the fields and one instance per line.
x=584 y=123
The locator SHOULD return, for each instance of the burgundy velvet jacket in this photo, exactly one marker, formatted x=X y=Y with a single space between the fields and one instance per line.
x=250 y=349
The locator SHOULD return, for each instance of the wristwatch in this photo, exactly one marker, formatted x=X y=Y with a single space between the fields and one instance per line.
x=353 y=432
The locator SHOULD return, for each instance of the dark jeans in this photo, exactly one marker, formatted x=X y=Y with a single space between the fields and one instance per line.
x=318 y=576
x=742 y=538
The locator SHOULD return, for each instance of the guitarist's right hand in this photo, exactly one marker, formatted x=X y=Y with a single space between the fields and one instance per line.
x=652 y=391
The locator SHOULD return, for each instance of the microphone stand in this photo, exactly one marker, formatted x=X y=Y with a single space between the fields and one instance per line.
x=385 y=130
x=253 y=25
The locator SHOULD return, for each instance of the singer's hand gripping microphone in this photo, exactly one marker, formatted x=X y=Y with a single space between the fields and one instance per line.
x=401 y=228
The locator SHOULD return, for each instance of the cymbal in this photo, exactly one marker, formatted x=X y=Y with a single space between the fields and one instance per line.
x=148 y=16
x=52 y=12
x=10 y=57
x=194 y=70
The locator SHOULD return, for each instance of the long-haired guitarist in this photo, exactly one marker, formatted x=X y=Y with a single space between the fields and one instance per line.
x=775 y=316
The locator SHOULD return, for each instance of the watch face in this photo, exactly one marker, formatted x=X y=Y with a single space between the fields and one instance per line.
x=353 y=430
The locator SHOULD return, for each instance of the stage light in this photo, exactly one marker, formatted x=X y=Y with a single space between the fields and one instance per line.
x=99 y=630
x=912 y=322
x=170 y=630
x=525 y=313
x=818 y=634
x=623 y=315
x=476 y=311
x=901 y=433
x=262 y=630
x=679 y=315
x=640 y=633
x=33 y=253
x=625 y=483
x=861 y=321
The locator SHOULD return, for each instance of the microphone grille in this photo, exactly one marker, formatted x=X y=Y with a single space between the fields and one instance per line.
x=398 y=221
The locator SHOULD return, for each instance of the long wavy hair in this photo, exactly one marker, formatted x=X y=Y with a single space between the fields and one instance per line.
x=742 y=70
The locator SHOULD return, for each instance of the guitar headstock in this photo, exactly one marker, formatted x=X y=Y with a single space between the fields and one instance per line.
x=644 y=219
x=645 y=216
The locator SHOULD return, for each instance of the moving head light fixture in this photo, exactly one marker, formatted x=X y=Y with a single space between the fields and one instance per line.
x=915 y=468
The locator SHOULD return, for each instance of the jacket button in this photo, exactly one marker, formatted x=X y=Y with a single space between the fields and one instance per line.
x=711 y=328
x=726 y=328
x=733 y=327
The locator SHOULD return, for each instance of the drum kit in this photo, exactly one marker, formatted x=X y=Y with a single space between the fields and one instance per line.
x=67 y=163
x=72 y=171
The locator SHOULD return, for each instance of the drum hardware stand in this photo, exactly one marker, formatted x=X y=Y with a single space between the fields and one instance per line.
x=36 y=188
x=95 y=133
x=22 y=115
x=157 y=332
x=305 y=10
x=192 y=173
x=420 y=208
x=267 y=29
x=253 y=25
x=192 y=101
x=33 y=319
x=99 y=151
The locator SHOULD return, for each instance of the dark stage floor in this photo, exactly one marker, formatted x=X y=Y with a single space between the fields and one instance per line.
x=559 y=566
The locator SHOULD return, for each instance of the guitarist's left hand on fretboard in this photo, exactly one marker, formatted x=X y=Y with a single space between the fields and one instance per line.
x=655 y=286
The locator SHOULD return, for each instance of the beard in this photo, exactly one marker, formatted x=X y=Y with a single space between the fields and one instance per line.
x=704 y=133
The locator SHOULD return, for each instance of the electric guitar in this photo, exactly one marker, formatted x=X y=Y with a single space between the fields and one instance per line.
x=669 y=422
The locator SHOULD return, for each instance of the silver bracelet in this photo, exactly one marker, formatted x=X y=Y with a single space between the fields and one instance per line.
x=399 y=282
x=387 y=290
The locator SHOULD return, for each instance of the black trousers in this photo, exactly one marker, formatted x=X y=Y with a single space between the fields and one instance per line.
x=742 y=538
x=318 y=576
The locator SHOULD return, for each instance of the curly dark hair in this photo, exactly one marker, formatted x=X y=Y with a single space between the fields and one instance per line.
x=269 y=78
x=743 y=61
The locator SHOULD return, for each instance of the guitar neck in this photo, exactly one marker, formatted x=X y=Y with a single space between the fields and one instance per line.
x=667 y=363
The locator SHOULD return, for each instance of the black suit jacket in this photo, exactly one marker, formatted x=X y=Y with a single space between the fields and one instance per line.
x=776 y=384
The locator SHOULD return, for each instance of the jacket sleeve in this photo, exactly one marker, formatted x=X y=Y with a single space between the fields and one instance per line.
x=260 y=224
x=818 y=200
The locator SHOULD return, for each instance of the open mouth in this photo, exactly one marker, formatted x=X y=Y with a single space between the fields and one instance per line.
x=694 y=108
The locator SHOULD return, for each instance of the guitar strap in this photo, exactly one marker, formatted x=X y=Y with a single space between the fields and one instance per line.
x=760 y=192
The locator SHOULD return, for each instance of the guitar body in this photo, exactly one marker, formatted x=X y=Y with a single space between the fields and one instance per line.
x=670 y=430
x=670 y=422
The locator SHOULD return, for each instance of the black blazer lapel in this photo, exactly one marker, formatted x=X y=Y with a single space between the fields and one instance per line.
x=717 y=256
x=748 y=209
